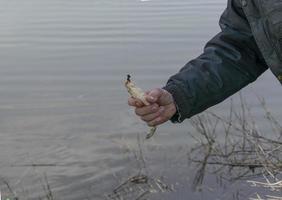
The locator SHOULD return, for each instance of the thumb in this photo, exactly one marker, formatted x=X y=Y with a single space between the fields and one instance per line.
x=154 y=95
x=160 y=96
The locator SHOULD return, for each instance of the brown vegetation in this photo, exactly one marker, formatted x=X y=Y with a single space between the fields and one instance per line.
x=242 y=151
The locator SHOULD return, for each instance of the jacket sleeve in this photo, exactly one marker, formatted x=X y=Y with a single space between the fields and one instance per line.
x=230 y=61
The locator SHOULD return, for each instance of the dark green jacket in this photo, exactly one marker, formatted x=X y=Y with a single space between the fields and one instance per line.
x=249 y=43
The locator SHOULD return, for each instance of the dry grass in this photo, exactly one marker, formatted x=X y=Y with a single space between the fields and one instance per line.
x=272 y=186
x=140 y=185
x=242 y=152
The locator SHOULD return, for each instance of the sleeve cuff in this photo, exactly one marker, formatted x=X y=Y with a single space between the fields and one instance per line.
x=180 y=102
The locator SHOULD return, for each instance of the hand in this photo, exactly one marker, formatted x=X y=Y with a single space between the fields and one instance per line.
x=160 y=110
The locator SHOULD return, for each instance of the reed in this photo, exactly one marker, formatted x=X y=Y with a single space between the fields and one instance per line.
x=242 y=151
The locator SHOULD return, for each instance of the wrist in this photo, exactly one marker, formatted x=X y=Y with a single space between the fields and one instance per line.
x=180 y=102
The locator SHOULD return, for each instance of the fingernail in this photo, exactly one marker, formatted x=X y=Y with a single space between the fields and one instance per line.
x=152 y=98
x=154 y=108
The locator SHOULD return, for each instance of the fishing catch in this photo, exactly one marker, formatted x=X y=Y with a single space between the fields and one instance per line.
x=137 y=93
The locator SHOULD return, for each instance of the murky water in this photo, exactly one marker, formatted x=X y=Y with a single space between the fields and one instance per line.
x=63 y=111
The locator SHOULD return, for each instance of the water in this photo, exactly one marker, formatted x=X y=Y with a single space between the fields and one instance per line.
x=63 y=105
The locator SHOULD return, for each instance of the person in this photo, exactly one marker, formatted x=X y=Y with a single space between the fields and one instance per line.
x=249 y=43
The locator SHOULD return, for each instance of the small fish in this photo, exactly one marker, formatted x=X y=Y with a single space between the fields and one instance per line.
x=138 y=93
x=151 y=133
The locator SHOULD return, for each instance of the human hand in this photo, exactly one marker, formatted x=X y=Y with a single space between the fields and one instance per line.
x=160 y=110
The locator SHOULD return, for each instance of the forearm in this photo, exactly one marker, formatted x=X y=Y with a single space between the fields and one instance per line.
x=230 y=61
x=211 y=78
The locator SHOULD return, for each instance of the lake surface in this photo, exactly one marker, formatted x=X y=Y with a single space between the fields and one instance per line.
x=63 y=106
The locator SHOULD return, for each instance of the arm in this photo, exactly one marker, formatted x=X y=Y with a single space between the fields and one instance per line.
x=230 y=61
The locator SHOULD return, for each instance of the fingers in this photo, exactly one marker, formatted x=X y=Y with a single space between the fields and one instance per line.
x=164 y=116
x=135 y=102
x=157 y=121
x=158 y=95
x=152 y=116
x=145 y=110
